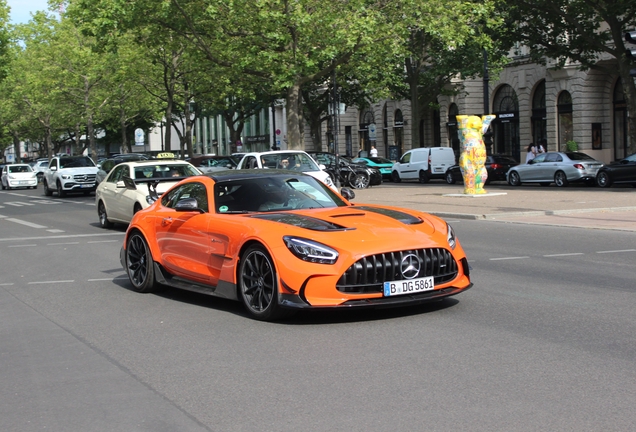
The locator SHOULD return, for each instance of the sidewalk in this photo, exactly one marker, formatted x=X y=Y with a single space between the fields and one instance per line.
x=575 y=205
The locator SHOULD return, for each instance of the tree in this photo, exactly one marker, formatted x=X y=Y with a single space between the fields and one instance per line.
x=580 y=31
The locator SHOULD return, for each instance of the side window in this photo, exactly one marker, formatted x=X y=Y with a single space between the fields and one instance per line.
x=115 y=176
x=189 y=190
x=553 y=157
x=250 y=162
x=406 y=158
x=53 y=163
x=541 y=158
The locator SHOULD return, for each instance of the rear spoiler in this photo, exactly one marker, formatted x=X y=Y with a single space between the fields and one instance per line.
x=151 y=182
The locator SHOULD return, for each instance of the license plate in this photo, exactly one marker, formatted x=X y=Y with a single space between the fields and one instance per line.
x=23 y=182
x=438 y=169
x=86 y=185
x=408 y=286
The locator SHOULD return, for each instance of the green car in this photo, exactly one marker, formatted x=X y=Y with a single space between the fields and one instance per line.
x=384 y=165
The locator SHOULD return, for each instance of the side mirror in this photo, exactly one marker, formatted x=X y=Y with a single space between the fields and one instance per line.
x=188 y=205
x=347 y=193
x=322 y=167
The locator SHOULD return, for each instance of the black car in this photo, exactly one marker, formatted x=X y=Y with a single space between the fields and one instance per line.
x=496 y=165
x=347 y=173
x=620 y=171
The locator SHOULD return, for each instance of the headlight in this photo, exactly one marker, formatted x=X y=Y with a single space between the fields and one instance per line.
x=66 y=176
x=311 y=251
x=450 y=237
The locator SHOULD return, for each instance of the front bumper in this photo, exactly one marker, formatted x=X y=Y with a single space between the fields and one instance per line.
x=77 y=187
x=23 y=183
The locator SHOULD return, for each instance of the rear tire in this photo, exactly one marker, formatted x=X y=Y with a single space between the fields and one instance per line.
x=423 y=177
x=395 y=177
x=560 y=179
x=139 y=264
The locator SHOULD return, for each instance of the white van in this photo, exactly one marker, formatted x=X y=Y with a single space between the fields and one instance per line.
x=423 y=164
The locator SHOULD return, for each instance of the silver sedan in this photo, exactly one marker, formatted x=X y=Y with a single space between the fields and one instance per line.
x=560 y=168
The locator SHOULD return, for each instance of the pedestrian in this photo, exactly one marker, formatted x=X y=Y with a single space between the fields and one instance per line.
x=531 y=152
x=373 y=152
x=540 y=147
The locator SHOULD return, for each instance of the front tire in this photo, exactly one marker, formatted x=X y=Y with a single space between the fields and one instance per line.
x=103 y=216
x=139 y=264
x=450 y=179
x=395 y=177
x=514 y=179
x=60 y=190
x=258 y=285
x=47 y=191
x=603 y=180
x=560 y=179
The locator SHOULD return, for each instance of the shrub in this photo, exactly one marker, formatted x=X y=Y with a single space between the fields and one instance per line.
x=572 y=146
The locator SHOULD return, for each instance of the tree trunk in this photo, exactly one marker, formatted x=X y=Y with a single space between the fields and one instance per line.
x=412 y=71
x=294 y=117
x=125 y=145
x=16 y=147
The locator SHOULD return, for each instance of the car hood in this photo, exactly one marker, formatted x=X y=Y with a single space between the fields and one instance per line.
x=371 y=227
x=80 y=170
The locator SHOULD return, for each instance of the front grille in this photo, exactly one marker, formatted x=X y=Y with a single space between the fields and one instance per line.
x=368 y=274
x=84 y=178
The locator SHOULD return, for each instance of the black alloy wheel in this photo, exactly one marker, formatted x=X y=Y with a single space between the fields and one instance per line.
x=139 y=264
x=60 y=190
x=603 y=179
x=258 y=285
x=47 y=191
x=560 y=179
x=424 y=177
x=395 y=177
x=514 y=179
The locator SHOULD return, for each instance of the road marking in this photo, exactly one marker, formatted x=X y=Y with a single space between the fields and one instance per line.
x=18 y=204
x=616 y=251
x=102 y=241
x=7 y=284
x=45 y=201
x=26 y=245
x=50 y=282
x=108 y=279
x=564 y=254
x=57 y=244
x=55 y=231
x=66 y=236
x=29 y=224
x=508 y=258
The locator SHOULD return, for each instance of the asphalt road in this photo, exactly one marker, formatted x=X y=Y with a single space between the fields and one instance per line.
x=544 y=340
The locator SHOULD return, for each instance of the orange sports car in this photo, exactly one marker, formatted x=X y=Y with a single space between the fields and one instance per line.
x=280 y=241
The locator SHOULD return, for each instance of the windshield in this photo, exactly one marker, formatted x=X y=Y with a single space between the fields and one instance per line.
x=164 y=170
x=76 y=162
x=380 y=160
x=294 y=161
x=275 y=193
x=20 y=169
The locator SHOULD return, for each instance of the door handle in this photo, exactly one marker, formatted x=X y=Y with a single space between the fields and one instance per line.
x=166 y=221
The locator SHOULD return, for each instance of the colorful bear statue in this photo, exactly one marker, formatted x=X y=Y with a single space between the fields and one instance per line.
x=472 y=159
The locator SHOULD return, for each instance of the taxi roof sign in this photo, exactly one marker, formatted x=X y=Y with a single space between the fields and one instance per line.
x=166 y=155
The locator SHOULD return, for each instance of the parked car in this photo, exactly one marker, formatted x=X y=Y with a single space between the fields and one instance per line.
x=128 y=186
x=39 y=167
x=620 y=171
x=423 y=164
x=295 y=160
x=211 y=163
x=379 y=163
x=560 y=168
x=496 y=165
x=347 y=173
x=18 y=176
x=281 y=241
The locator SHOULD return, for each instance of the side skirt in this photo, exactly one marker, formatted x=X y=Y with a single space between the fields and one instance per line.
x=223 y=289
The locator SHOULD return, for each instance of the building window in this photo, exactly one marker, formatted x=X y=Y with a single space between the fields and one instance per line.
x=539 y=123
x=564 y=109
x=620 y=121
x=506 y=125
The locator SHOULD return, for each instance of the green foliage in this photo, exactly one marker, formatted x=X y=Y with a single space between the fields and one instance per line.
x=571 y=146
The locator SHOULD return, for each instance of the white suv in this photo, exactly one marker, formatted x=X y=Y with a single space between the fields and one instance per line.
x=296 y=160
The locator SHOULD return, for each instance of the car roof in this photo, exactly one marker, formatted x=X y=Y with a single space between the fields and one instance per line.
x=275 y=152
x=153 y=162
